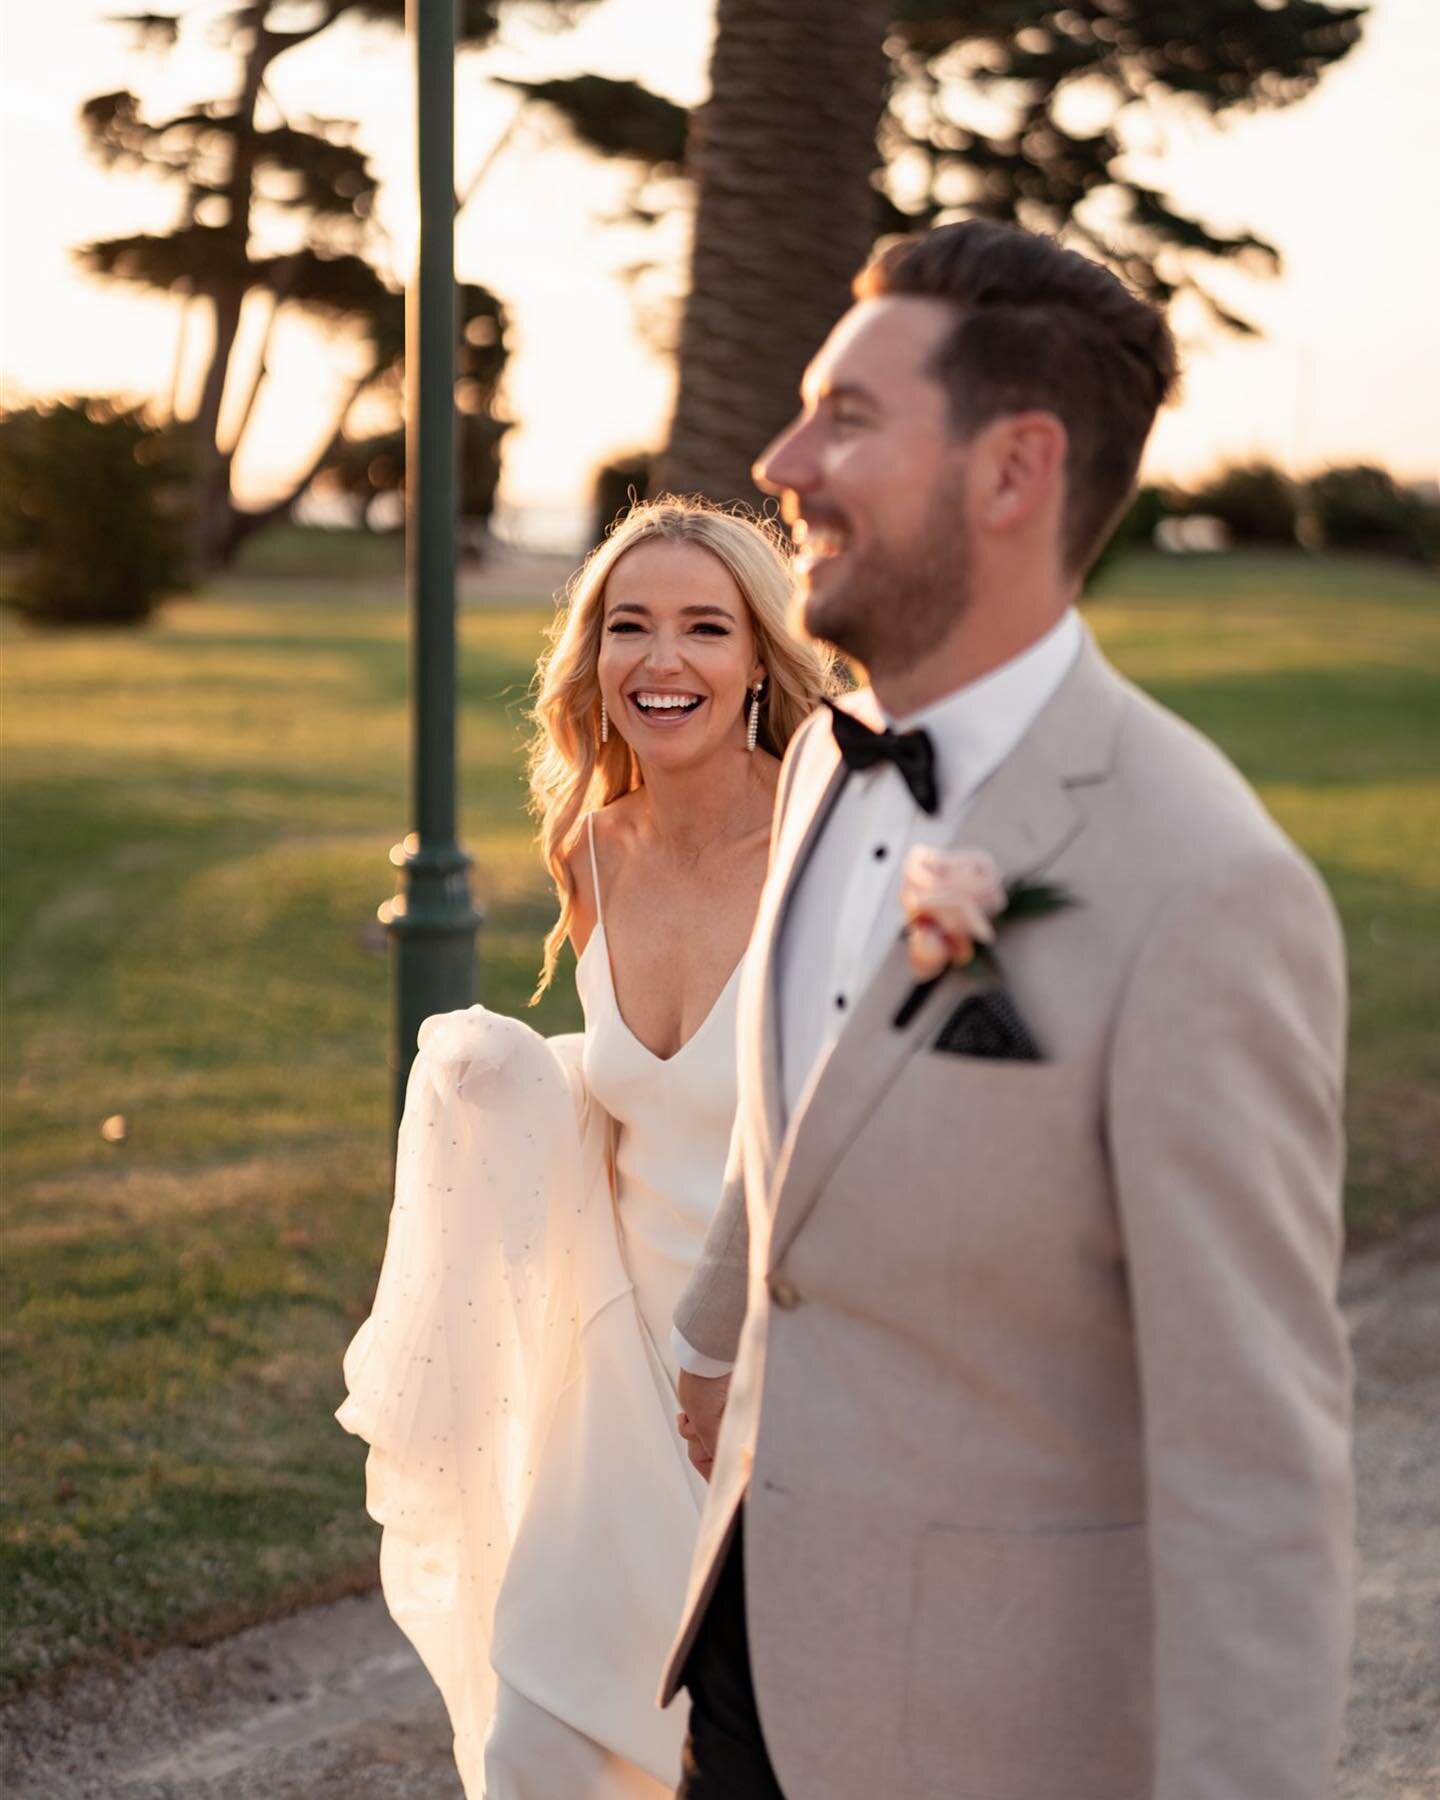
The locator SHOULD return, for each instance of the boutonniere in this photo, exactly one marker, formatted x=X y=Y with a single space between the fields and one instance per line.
x=955 y=904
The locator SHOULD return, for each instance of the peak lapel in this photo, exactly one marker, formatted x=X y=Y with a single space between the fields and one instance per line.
x=1024 y=815
x=817 y=786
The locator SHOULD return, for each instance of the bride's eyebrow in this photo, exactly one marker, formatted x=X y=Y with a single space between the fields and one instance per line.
x=698 y=611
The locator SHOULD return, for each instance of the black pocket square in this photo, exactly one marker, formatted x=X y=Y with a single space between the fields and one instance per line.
x=989 y=1026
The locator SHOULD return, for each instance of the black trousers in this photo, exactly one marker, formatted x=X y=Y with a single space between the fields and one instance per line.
x=725 y=1755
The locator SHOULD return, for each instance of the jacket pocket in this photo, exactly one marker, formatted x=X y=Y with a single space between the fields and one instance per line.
x=1028 y=1665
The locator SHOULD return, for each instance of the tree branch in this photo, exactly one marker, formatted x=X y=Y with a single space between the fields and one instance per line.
x=276 y=43
x=487 y=162
x=262 y=369
x=246 y=523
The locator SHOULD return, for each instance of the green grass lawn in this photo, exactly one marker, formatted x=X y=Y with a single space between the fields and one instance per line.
x=196 y=825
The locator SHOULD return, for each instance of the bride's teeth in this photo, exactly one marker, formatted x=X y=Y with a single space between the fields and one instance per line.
x=666 y=702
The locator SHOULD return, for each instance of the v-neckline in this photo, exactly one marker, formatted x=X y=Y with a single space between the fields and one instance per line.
x=639 y=1043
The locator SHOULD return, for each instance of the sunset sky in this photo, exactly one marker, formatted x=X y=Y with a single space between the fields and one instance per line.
x=1348 y=367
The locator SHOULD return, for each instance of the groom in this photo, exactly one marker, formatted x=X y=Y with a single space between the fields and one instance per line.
x=1034 y=1477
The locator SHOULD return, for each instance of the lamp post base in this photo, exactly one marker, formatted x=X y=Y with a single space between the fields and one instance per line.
x=432 y=926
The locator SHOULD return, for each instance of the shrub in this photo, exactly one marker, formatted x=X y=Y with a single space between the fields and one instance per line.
x=1363 y=508
x=1135 y=530
x=1256 y=503
x=610 y=495
x=94 y=512
x=368 y=470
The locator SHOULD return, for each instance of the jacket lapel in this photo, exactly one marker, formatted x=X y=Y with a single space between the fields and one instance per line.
x=817 y=788
x=1024 y=815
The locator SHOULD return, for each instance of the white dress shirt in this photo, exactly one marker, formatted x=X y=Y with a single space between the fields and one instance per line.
x=844 y=913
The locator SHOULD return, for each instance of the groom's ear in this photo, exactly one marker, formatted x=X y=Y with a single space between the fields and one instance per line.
x=1017 y=469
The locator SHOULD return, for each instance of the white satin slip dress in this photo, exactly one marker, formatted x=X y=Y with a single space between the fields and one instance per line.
x=593 y=1590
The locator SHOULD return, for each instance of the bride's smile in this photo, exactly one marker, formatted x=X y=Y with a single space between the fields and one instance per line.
x=664 y=708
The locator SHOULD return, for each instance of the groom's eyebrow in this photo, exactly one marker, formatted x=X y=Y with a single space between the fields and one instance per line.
x=818 y=390
x=841 y=391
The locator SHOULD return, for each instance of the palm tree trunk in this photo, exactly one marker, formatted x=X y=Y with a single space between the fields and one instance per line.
x=783 y=152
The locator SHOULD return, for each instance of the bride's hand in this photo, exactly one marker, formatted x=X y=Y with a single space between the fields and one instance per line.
x=701 y=1459
x=703 y=1400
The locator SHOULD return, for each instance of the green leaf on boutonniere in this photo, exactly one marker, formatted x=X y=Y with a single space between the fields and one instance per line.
x=1024 y=899
x=1032 y=900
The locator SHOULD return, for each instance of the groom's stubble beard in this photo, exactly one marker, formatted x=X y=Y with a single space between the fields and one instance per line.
x=899 y=603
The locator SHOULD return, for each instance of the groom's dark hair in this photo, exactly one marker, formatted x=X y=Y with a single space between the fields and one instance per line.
x=1041 y=327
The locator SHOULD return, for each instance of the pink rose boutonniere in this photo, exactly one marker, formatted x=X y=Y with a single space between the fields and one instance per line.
x=955 y=902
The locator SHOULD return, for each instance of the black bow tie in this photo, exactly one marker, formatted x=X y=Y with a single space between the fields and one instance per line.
x=911 y=752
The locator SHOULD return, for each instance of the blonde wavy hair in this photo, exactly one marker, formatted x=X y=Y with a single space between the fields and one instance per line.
x=571 y=771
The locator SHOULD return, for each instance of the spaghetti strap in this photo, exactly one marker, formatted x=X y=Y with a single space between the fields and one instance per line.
x=594 y=868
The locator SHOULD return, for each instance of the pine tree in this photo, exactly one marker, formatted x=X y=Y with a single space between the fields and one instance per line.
x=982 y=120
x=245 y=174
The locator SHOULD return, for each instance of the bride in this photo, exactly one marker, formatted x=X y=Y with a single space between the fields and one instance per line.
x=515 y=1379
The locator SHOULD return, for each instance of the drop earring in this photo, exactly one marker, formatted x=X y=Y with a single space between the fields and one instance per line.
x=752 y=729
x=604 y=724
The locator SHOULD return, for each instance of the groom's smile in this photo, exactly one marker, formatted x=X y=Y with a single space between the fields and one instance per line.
x=816 y=543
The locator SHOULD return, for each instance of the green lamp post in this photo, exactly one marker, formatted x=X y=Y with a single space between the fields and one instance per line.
x=431 y=921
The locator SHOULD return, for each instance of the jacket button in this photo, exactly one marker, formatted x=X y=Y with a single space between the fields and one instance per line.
x=784 y=1293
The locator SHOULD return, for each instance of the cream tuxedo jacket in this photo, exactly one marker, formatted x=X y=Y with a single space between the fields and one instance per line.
x=1041 y=1412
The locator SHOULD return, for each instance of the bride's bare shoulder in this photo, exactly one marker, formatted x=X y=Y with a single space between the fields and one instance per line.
x=615 y=825
x=612 y=826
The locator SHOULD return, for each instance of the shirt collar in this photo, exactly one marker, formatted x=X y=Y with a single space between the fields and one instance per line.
x=975 y=728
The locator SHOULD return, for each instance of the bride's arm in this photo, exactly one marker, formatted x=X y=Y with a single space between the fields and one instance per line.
x=708 y=1320
x=712 y=1308
x=582 y=891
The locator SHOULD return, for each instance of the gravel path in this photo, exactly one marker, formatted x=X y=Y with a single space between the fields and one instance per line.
x=1392 y=1300
x=332 y=1704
